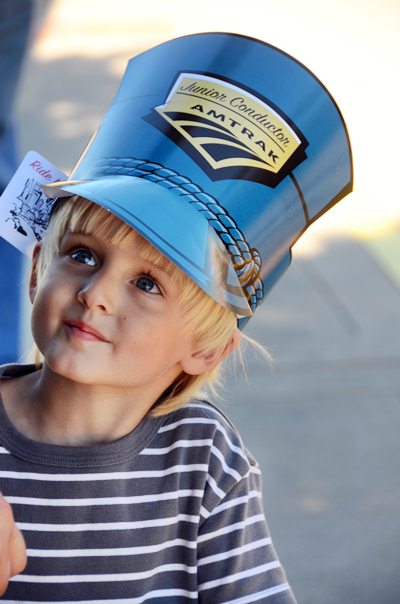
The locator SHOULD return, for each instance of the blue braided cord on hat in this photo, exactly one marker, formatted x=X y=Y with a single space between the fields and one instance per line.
x=246 y=260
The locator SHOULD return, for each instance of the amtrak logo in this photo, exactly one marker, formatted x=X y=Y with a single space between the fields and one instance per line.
x=229 y=131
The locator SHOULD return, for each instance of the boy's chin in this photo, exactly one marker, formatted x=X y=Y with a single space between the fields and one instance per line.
x=74 y=370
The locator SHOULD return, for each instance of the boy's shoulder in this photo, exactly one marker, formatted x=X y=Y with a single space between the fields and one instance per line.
x=203 y=421
x=202 y=412
x=13 y=370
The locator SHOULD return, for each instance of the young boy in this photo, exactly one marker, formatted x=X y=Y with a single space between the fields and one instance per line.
x=123 y=485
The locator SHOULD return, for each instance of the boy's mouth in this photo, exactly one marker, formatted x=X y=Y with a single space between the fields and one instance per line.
x=84 y=331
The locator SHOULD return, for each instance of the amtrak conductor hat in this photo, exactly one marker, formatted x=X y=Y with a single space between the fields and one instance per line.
x=220 y=150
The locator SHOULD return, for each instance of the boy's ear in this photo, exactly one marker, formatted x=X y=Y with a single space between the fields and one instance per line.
x=200 y=362
x=34 y=271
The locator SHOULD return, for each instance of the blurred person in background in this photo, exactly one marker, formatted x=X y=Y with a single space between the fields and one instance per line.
x=15 y=21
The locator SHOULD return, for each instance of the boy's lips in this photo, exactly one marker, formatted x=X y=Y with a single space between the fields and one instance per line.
x=84 y=330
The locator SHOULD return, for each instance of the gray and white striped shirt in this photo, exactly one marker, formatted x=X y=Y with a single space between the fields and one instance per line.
x=171 y=513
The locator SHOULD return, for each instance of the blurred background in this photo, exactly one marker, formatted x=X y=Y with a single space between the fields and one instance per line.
x=324 y=421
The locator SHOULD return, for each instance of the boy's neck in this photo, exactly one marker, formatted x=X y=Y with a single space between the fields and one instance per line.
x=50 y=409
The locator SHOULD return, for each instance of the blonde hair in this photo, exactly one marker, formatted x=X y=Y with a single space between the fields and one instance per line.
x=211 y=324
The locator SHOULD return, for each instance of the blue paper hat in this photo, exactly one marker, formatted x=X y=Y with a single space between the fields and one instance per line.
x=220 y=150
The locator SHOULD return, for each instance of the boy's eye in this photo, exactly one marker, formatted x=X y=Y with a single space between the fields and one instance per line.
x=147 y=284
x=83 y=256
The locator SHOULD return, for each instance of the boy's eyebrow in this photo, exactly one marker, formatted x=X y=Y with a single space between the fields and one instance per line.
x=158 y=267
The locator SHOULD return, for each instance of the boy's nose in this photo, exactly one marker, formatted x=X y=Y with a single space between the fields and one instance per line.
x=96 y=292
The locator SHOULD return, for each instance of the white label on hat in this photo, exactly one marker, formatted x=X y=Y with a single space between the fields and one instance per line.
x=24 y=208
x=236 y=132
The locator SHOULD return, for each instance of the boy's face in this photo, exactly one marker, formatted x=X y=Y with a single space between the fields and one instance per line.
x=103 y=315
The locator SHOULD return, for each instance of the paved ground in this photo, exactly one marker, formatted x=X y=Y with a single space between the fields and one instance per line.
x=325 y=421
x=325 y=425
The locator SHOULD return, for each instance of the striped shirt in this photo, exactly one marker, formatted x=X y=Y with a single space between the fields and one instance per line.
x=170 y=514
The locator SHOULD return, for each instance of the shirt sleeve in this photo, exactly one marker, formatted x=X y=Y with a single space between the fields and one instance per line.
x=237 y=562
